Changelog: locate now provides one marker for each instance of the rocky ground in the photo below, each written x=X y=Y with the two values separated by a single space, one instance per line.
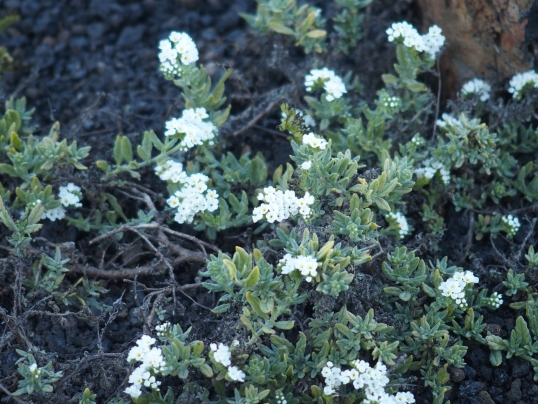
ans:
x=92 y=65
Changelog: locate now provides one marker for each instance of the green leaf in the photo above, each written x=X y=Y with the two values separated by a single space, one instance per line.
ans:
x=232 y=270
x=253 y=278
x=103 y=165
x=255 y=303
x=317 y=33
x=284 y=325
x=206 y=370
x=223 y=308
x=428 y=290
x=417 y=87
x=496 y=358
x=36 y=213
x=116 y=206
x=126 y=149
x=405 y=296
x=382 y=204
x=280 y=28
x=389 y=79
x=118 y=155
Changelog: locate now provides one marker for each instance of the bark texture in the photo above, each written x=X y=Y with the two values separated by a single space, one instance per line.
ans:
x=485 y=38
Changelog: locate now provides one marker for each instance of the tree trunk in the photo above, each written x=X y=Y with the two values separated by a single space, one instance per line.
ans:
x=484 y=39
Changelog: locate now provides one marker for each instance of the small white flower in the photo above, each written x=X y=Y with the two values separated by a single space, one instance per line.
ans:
x=133 y=390
x=236 y=374
x=401 y=222
x=476 y=87
x=306 y=165
x=520 y=82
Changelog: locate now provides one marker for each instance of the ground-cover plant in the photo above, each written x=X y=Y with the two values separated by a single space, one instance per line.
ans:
x=361 y=207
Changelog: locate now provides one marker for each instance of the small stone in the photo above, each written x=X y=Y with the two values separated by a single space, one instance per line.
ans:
x=95 y=30
x=30 y=8
x=485 y=397
x=44 y=56
x=470 y=389
x=469 y=372
x=494 y=329
x=456 y=375
x=119 y=80
x=500 y=377
x=79 y=42
x=130 y=36
x=521 y=369
x=514 y=395
x=478 y=357
x=134 y=316
x=486 y=372
x=228 y=21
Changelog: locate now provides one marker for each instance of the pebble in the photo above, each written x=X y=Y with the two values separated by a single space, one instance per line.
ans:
x=495 y=329
x=485 y=397
x=470 y=389
x=469 y=372
x=456 y=375
x=500 y=377
x=30 y=8
x=478 y=357
x=228 y=21
x=44 y=56
x=486 y=372
x=95 y=30
x=514 y=395
x=130 y=36
x=79 y=42
x=521 y=369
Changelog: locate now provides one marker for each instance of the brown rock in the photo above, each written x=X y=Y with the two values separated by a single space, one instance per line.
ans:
x=456 y=375
x=485 y=397
x=484 y=39
x=495 y=329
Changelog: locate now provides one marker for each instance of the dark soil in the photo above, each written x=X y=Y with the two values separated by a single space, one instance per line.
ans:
x=92 y=65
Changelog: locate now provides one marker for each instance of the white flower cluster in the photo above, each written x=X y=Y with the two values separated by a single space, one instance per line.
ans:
x=70 y=195
x=162 y=329
x=430 y=167
x=281 y=205
x=409 y=36
x=476 y=86
x=363 y=376
x=314 y=141
x=401 y=221
x=306 y=265
x=494 y=301
x=280 y=399
x=512 y=223
x=193 y=126
x=54 y=214
x=418 y=140
x=223 y=355
x=178 y=49
x=36 y=372
x=448 y=120
x=332 y=84
x=454 y=287
x=391 y=102
x=522 y=81
x=193 y=197
x=152 y=364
